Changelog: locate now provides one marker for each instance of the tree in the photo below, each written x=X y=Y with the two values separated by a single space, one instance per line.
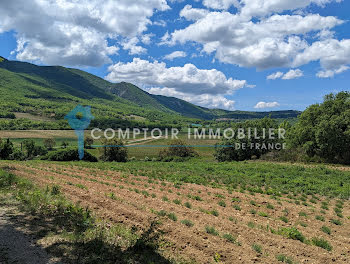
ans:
x=114 y=150
x=6 y=149
x=323 y=130
x=49 y=143
x=247 y=147
x=177 y=149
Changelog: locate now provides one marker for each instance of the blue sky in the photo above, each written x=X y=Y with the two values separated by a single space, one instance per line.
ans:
x=233 y=54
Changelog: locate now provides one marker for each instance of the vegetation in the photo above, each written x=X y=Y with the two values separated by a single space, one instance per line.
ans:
x=177 y=150
x=322 y=243
x=114 y=150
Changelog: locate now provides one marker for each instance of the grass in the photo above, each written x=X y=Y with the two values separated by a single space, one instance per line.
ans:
x=270 y=206
x=253 y=211
x=317 y=180
x=188 y=205
x=320 y=218
x=172 y=216
x=263 y=214
x=232 y=239
x=214 y=213
x=302 y=214
x=292 y=233
x=77 y=230
x=211 y=230
x=237 y=207
x=177 y=201
x=257 y=248
x=222 y=203
x=322 y=243
x=326 y=230
x=284 y=219
x=336 y=221
x=284 y=258
x=187 y=223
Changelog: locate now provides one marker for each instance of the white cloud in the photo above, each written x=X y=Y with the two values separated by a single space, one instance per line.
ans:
x=193 y=13
x=331 y=53
x=293 y=74
x=175 y=54
x=266 y=7
x=275 y=76
x=75 y=32
x=187 y=82
x=220 y=4
x=271 y=42
x=131 y=45
x=205 y=100
x=331 y=73
x=262 y=105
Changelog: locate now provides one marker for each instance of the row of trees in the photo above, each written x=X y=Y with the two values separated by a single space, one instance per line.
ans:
x=322 y=133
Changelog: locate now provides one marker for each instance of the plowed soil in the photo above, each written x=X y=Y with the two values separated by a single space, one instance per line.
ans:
x=135 y=201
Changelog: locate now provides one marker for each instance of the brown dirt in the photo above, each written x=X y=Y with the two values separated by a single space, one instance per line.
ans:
x=93 y=188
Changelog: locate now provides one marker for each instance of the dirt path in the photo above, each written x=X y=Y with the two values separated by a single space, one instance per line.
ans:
x=17 y=244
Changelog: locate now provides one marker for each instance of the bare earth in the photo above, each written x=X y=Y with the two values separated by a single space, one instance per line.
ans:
x=17 y=243
x=93 y=188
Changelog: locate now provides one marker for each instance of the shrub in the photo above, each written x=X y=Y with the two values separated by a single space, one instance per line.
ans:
x=177 y=149
x=162 y=213
x=326 y=230
x=270 y=206
x=292 y=233
x=322 y=243
x=257 y=248
x=237 y=207
x=6 y=149
x=114 y=150
x=188 y=205
x=319 y=217
x=222 y=203
x=253 y=211
x=187 y=223
x=302 y=214
x=172 y=216
x=49 y=143
x=284 y=219
x=177 y=201
x=69 y=155
x=231 y=239
x=263 y=214
x=336 y=222
x=284 y=258
x=214 y=213
x=211 y=230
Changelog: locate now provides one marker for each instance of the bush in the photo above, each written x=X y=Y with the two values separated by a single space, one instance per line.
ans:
x=114 y=150
x=6 y=149
x=227 y=150
x=211 y=230
x=322 y=243
x=326 y=230
x=177 y=151
x=69 y=155
x=49 y=143
x=323 y=130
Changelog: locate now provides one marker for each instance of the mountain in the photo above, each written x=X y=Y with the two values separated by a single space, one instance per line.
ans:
x=51 y=91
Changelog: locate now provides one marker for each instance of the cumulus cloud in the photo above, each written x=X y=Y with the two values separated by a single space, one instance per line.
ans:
x=74 y=32
x=175 y=54
x=274 y=41
x=220 y=4
x=131 y=45
x=331 y=73
x=275 y=76
x=193 y=13
x=262 y=105
x=291 y=74
x=187 y=82
x=205 y=100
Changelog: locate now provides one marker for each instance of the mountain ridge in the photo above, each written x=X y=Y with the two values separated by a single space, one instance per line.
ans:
x=58 y=83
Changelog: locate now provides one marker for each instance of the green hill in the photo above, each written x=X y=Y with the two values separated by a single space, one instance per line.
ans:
x=52 y=91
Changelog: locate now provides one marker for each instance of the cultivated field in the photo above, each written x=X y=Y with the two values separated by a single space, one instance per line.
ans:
x=229 y=213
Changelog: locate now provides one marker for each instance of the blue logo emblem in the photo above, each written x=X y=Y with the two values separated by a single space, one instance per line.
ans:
x=79 y=124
